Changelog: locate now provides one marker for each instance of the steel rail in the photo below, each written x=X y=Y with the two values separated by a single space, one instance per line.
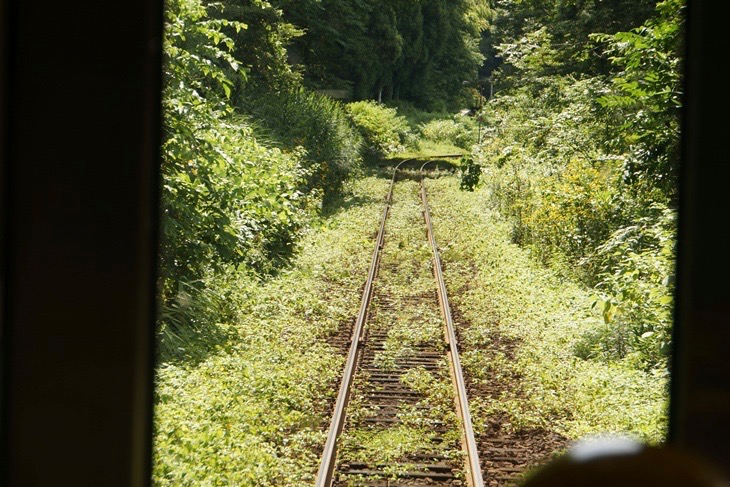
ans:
x=329 y=455
x=327 y=466
x=474 y=471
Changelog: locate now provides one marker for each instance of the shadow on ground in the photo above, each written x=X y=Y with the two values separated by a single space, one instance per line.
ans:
x=411 y=167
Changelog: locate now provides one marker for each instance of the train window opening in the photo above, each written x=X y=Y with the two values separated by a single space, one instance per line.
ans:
x=324 y=163
x=282 y=125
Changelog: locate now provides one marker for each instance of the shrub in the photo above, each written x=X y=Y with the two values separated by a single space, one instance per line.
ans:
x=384 y=132
x=636 y=286
x=470 y=173
x=554 y=168
x=521 y=324
x=550 y=170
x=415 y=116
x=572 y=212
x=459 y=131
x=315 y=122
x=227 y=200
x=443 y=130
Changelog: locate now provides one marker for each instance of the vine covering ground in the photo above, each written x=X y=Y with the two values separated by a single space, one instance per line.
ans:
x=504 y=294
x=253 y=408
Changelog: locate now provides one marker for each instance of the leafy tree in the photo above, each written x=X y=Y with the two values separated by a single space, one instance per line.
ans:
x=262 y=46
x=581 y=153
x=418 y=50
x=227 y=200
x=648 y=95
x=570 y=24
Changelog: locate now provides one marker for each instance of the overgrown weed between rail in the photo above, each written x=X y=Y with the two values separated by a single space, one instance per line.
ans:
x=405 y=307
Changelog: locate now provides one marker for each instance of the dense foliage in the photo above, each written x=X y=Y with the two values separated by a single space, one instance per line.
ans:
x=298 y=118
x=248 y=153
x=522 y=332
x=246 y=400
x=262 y=45
x=384 y=132
x=647 y=95
x=574 y=159
x=417 y=50
x=227 y=199
x=581 y=153
x=570 y=24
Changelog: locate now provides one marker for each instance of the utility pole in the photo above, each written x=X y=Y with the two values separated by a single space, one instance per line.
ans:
x=479 y=110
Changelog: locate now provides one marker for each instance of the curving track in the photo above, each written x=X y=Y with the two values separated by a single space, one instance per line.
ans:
x=401 y=417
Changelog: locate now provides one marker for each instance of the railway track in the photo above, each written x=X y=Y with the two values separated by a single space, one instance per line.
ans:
x=401 y=417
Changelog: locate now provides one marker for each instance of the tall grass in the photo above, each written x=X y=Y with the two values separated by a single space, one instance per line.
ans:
x=314 y=122
x=384 y=132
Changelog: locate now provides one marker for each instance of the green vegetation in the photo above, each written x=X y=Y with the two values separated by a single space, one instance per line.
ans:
x=436 y=133
x=400 y=310
x=459 y=131
x=523 y=325
x=250 y=153
x=559 y=247
x=252 y=407
x=297 y=119
x=385 y=132
x=470 y=173
x=416 y=50
x=253 y=277
x=228 y=200
x=580 y=153
x=241 y=179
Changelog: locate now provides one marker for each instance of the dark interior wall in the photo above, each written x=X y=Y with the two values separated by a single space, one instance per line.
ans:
x=700 y=409
x=3 y=150
x=78 y=208
x=78 y=262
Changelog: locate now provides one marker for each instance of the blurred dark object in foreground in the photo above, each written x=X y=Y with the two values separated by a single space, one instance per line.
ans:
x=625 y=463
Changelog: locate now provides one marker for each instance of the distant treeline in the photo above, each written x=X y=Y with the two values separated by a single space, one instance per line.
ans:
x=581 y=154
x=423 y=51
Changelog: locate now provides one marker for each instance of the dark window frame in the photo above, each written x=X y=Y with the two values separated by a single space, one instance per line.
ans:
x=79 y=148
